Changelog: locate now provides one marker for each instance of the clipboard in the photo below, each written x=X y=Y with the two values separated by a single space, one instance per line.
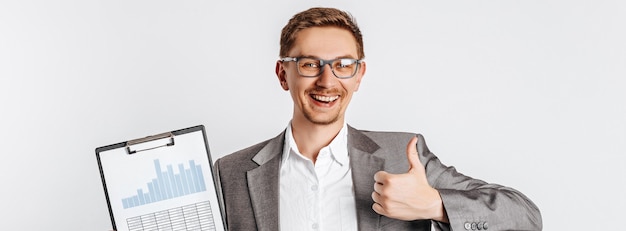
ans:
x=161 y=182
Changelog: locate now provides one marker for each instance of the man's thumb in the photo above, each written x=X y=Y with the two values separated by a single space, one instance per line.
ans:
x=413 y=156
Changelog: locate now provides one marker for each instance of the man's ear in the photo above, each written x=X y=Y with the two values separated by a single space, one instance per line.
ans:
x=280 y=73
x=359 y=75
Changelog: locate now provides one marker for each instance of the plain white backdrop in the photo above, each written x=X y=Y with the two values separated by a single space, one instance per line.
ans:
x=528 y=94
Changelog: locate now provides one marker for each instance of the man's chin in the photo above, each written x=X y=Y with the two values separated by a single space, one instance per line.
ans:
x=321 y=120
x=317 y=122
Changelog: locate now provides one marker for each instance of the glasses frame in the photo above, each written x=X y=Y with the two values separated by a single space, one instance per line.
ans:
x=323 y=62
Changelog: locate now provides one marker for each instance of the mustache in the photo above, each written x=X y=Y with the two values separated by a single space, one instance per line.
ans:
x=324 y=91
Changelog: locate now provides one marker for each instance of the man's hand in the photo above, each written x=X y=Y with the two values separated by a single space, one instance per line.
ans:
x=407 y=196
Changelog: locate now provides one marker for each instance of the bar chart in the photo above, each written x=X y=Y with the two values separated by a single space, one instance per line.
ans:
x=168 y=184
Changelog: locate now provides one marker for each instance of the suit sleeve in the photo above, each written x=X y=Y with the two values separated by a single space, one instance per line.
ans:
x=473 y=204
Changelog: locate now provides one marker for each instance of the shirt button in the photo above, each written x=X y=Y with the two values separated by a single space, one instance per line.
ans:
x=474 y=226
x=314 y=188
x=314 y=226
x=485 y=226
x=468 y=226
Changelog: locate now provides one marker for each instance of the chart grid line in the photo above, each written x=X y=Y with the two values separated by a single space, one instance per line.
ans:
x=189 y=217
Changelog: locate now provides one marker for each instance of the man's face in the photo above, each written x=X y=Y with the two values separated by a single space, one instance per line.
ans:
x=320 y=100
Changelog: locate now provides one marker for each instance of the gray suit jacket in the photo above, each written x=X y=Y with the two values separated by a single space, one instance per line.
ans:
x=248 y=181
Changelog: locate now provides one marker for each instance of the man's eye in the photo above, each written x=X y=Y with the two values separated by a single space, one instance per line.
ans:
x=344 y=64
x=310 y=65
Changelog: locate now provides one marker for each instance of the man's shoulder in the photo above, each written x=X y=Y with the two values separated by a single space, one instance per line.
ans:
x=385 y=133
x=382 y=136
x=393 y=141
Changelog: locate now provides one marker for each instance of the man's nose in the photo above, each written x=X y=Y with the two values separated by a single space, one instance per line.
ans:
x=327 y=78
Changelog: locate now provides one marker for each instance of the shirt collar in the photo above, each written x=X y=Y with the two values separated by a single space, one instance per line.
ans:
x=338 y=146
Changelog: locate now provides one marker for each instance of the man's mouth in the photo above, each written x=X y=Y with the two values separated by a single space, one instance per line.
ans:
x=325 y=99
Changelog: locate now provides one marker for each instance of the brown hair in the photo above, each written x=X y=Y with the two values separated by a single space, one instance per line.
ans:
x=319 y=17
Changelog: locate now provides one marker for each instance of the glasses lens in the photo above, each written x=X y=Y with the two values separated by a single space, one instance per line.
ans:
x=309 y=67
x=344 y=68
x=341 y=68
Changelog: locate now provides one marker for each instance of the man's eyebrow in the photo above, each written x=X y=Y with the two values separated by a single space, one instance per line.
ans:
x=346 y=57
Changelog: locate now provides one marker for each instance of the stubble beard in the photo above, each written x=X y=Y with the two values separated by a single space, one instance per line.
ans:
x=319 y=121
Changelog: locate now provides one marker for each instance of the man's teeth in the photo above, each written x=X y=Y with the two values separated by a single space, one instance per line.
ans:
x=326 y=99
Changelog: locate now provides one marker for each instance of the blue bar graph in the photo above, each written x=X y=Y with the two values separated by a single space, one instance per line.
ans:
x=168 y=185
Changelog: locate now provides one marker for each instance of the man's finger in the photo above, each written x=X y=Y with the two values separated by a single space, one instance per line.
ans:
x=376 y=197
x=378 y=188
x=413 y=156
x=381 y=177
x=378 y=209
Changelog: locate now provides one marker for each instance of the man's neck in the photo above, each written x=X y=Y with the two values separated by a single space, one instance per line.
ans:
x=311 y=138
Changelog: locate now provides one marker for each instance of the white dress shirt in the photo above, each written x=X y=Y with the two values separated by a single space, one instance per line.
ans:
x=317 y=196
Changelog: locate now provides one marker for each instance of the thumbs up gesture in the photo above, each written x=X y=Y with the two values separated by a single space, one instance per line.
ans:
x=407 y=196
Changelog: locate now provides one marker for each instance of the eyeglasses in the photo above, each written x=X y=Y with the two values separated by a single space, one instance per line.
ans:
x=343 y=68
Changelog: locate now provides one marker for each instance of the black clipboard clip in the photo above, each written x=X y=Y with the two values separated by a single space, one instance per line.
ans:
x=129 y=143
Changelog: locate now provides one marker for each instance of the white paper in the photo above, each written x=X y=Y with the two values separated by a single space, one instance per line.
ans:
x=166 y=188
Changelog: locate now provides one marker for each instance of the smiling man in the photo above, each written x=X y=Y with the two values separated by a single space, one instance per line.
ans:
x=322 y=174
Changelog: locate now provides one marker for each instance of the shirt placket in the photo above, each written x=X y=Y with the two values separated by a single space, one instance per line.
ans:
x=321 y=170
x=314 y=190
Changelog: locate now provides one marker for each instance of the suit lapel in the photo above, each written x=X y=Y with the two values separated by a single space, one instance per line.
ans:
x=263 y=184
x=364 y=165
x=263 y=181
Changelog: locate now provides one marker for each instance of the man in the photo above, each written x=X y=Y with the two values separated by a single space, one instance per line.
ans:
x=322 y=174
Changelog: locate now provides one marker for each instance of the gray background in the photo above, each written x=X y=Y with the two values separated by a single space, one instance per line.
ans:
x=529 y=94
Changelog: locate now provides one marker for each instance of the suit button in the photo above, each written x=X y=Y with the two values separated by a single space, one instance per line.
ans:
x=474 y=226
x=485 y=226
x=468 y=226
